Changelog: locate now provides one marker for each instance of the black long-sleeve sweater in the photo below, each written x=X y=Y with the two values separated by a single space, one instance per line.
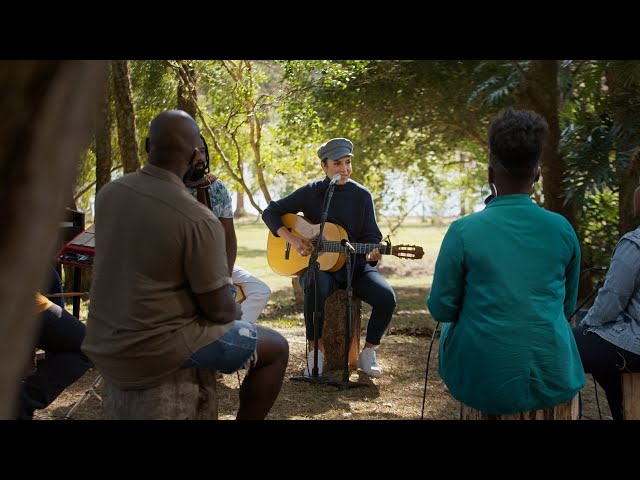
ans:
x=351 y=207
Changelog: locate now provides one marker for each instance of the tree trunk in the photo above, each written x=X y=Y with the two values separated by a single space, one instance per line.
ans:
x=189 y=394
x=104 y=121
x=631 y=396
x=45 y=123
x=539 y=91
x=565 y=411
x=187 y=91
x=240 y=211
x=333 y=331
x=624 y=95
x=127 y=135
x=298 y=293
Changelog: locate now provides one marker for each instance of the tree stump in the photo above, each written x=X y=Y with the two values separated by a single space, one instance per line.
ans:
x=565 y=411
x=631 y=396
x=333 y=331
x=189 y=394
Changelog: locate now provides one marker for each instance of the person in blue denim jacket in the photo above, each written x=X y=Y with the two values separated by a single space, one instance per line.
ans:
x=608 y=337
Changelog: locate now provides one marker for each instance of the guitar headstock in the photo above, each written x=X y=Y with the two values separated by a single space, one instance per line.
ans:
x=412 y=252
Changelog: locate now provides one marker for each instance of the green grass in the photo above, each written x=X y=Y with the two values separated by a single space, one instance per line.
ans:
x=411 y=279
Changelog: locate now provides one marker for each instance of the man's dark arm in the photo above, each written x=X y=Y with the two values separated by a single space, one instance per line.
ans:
x=293 y=203
x=231 y=241
x=219 y=306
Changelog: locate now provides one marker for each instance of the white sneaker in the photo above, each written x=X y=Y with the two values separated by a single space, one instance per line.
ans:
x=368 y=363
x=309 y=368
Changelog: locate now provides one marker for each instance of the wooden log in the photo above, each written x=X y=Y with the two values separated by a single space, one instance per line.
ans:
x=631 y=396
x=68 y=294
x=189 y=394
x=565 y=411
x=333 y=331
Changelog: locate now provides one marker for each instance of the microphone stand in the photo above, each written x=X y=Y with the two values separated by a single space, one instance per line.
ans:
x=348 y=327
x=314 y=266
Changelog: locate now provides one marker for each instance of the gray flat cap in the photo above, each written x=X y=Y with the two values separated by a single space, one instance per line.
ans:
x=335 y=149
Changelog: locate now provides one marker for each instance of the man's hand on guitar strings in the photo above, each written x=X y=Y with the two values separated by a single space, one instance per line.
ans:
x=303 y=246
x=373 y=256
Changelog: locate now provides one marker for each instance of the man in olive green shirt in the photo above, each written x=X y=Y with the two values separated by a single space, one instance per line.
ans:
x=160 y=300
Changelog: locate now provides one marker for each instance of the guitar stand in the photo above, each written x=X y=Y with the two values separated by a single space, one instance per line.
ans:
x=91 y=391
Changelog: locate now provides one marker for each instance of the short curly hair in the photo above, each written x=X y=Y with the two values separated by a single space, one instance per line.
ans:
x=516 y=138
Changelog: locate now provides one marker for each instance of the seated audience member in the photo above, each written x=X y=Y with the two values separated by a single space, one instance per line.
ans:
x=505 y=282
x=608 y=337
x=60 y=336
x=212 y=192
x=156 y=304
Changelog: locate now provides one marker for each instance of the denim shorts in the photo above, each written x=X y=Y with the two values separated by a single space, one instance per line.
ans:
x=235 y=350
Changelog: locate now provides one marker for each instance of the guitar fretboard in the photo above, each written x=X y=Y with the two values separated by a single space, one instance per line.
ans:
x=333 y=246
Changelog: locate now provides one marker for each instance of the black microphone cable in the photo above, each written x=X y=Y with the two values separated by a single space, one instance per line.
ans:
x=426 y=373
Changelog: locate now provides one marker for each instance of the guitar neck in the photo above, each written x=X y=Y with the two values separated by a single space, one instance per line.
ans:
x=333 y=246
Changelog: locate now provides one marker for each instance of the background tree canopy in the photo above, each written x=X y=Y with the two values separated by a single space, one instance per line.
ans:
x=419 y=129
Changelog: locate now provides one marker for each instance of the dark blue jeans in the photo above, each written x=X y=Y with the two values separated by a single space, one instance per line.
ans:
x=371 y=287
x=60 y=338
x=606 y=363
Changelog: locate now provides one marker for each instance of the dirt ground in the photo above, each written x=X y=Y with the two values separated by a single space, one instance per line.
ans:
x=397 y=395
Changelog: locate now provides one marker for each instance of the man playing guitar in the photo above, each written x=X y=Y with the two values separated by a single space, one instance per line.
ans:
x=352 y=208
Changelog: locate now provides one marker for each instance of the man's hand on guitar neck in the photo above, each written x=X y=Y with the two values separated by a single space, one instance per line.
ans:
x=300 y=244
x=373 y=256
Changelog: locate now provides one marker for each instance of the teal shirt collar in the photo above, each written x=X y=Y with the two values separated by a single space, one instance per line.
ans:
x=514 y=199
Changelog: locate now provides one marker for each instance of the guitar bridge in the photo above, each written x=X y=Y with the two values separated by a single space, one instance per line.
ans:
x=287 y=249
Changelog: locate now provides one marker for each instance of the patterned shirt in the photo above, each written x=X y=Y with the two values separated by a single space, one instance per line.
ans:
x=220 y=199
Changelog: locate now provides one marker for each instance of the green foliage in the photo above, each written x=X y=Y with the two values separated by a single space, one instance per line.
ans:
x=85 y=177
x=598 y=231
x=587 y=148
x=154 y=89
x=497 y=81
x=405 y=118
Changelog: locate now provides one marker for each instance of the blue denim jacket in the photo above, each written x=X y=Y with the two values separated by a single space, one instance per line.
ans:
x=615 y=314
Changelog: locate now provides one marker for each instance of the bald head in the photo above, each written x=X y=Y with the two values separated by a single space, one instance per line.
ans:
x=173 y=142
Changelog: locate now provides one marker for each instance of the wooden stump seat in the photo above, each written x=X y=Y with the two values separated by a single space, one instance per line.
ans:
x=333 y=332
x=189 y=394
x=631 y=396
x=565 y=411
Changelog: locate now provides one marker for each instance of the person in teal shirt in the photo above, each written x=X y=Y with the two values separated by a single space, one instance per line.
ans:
x=505 y=284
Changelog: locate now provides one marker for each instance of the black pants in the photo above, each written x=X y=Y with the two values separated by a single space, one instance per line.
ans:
x=64 y=362
x=55 y=286
x=606 y=363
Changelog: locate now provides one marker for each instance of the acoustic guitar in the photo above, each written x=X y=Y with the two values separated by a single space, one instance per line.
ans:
x=240 y=296
x=286 y=261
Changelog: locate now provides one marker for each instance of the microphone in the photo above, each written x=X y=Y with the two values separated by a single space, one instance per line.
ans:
x=336 y=178
x=345 y=243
